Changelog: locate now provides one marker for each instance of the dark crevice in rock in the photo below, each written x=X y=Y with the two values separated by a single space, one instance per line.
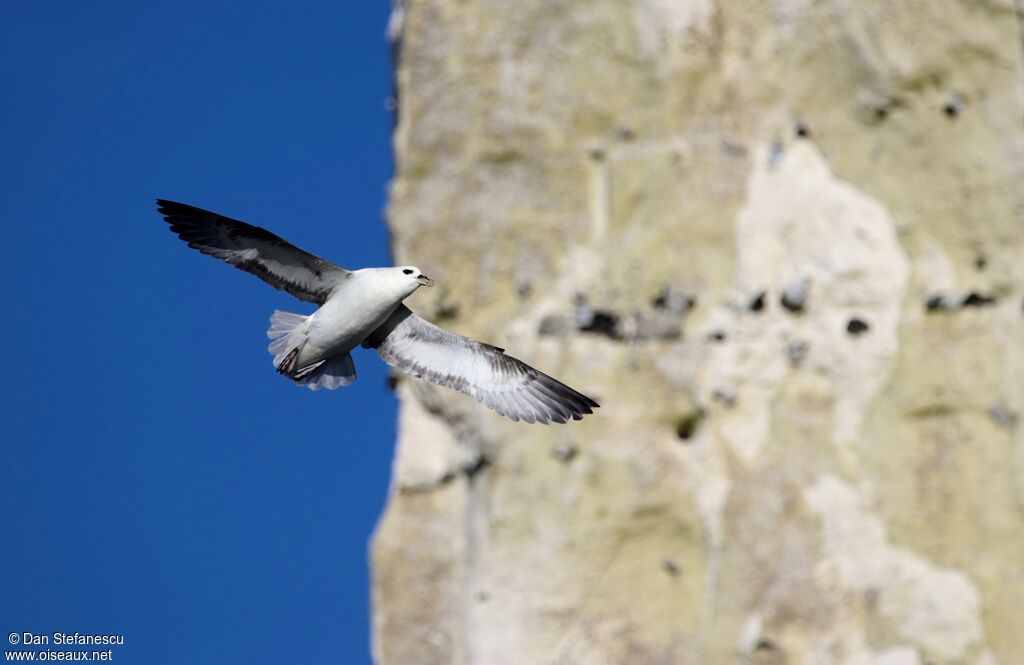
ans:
x=953 y=108
x=944 y=303
x=688 y=424
x=975 y=299
x=856 y=327
x=663 y=320
x=874 y=107
x=674 y=301
x=471 y=470
x=937 y=303
x=476 y=466
x=602 y=323
x=794 y=297
x=596 y=321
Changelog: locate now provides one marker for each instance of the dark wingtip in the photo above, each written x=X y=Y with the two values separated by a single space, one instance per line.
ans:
x=164 y=206
x=571 y=402
x=169 y=208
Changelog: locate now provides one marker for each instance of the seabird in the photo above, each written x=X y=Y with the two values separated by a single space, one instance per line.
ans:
x=364 y=307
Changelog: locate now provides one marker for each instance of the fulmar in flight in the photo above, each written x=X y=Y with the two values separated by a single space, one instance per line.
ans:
x=365 y=307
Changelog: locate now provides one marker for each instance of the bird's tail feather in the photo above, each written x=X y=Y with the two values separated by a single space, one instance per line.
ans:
x=282 y=324
x=331 y=373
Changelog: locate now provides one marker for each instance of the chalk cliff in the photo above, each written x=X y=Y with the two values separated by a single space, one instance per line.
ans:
x=782 y=243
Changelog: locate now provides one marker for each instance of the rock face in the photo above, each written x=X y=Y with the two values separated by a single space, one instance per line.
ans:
x=782 y=243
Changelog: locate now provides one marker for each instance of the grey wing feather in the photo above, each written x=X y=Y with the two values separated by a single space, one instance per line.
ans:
x=484 y=372
x=254 y=250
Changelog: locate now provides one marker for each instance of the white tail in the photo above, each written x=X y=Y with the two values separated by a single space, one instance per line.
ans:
x=282 y=324
x=337 y=372
x=332 y=373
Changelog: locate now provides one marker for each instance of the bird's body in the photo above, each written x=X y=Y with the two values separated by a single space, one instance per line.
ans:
x=364 y=307
x=353 y=310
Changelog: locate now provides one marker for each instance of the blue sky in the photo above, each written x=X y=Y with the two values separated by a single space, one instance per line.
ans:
x=158 y=479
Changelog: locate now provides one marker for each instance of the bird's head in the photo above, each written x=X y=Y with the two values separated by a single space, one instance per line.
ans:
x=416 y=275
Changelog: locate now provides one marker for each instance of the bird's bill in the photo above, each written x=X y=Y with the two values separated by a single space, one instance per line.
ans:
x=425 y=281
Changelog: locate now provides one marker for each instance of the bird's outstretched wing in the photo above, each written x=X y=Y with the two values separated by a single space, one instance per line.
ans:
x=252 y=249
x=484 y=372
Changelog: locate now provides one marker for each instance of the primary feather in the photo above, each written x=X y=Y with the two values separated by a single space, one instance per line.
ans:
x=254 y=250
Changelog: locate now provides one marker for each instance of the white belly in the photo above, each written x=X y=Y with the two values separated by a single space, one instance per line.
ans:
x=344 y=321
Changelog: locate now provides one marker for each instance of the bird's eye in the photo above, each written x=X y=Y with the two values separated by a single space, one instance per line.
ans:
x=407 y=271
